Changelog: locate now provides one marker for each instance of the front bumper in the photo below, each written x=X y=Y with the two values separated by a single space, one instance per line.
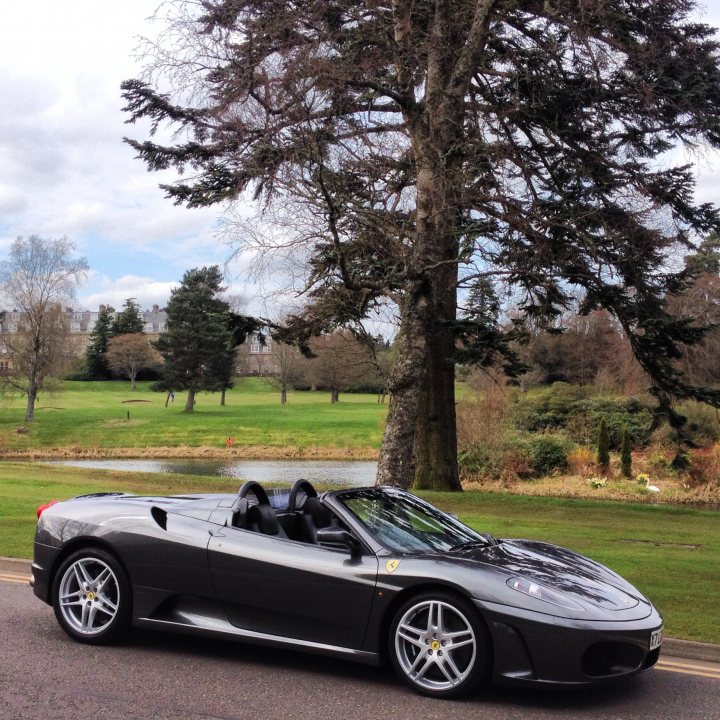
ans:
x=535 y=648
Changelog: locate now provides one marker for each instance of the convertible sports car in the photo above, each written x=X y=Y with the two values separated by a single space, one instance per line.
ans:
x=364 y=574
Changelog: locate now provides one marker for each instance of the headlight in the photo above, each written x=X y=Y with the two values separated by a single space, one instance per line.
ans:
x=540 y=592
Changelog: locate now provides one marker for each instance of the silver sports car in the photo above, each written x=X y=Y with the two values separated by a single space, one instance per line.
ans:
x=368 y=574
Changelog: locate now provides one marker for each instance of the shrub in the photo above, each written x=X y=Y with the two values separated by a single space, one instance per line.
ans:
x=578 y=413
x=547 y=453
x=581 y=461
x=512 y=456
x=702 y=426
x=603 y=447
x=704 y=469
x=625 y=455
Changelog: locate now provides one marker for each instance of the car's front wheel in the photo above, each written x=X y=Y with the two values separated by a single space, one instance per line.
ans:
x=439 y=645
x=91 y=597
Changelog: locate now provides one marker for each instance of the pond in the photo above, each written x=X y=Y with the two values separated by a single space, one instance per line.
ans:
x=281 y=472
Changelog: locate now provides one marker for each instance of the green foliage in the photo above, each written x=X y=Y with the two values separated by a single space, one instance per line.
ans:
x=574 y=410
x=525 y=456
x=129 y=320
x=547 y=453
x=625 y=455
x=603 y=447
x=96 y=367
x=197 y=340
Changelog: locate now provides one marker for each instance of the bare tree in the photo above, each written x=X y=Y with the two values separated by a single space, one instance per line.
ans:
x=290 y=364
x=129 y=353
x=39 y=279
x=340 y=360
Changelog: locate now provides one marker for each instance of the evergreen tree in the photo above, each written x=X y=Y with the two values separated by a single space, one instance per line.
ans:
x=128 y=320
x=625 y=455
x=603 y=447
x=95 y=360
x=196 y=333
x=220 y=373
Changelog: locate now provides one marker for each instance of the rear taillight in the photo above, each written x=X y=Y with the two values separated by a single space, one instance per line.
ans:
x=44 y=507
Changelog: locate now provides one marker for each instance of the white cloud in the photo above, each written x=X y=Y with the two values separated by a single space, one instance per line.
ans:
x=107 y=291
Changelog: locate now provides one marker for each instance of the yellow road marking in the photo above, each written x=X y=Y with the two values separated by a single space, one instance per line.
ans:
x=21 y=579
x=683 y=669
x=675 y=663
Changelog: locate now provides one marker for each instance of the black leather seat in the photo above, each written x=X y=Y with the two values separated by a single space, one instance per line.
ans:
x=315 y=516
x=262 y=519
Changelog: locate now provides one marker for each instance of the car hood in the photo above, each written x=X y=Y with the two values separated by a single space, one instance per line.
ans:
x=575 y=576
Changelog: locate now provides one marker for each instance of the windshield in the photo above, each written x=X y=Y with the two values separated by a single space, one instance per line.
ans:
x=405 y=524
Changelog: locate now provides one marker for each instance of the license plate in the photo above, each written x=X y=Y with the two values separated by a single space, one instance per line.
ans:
x=656 y=638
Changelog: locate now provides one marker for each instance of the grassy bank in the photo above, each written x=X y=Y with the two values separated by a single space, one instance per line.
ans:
x=86 y=416
x=671 y=554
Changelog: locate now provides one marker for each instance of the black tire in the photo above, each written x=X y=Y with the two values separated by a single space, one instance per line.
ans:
x=439 y=645
x=91 y=597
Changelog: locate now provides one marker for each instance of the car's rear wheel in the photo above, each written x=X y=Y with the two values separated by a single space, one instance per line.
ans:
x=439 y=645
x=91 y=597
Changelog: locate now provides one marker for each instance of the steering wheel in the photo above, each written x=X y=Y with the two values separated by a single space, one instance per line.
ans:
x=299 y=486
x=251 y=487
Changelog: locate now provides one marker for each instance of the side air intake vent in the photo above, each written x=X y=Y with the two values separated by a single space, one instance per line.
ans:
x=159 y=516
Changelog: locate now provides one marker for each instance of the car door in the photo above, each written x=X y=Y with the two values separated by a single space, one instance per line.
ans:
x=292 y=589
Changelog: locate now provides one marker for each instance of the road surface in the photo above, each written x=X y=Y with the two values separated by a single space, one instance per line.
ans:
x=154 y=676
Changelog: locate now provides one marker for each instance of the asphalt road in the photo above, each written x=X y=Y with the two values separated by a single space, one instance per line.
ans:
x=44 y=674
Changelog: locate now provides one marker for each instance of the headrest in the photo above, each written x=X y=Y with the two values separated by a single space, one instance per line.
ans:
x=264 y=517
x=319 y=513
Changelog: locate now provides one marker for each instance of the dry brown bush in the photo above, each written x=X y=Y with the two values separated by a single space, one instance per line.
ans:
x=704 y=470
x=581 y=461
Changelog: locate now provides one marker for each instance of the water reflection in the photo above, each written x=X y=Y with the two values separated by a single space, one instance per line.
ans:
x=282 y=472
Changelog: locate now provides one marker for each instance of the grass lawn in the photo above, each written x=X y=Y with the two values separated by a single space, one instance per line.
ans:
x=95 y=415
x=671 y=554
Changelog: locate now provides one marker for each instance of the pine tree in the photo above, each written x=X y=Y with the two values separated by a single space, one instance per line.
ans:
x=603 y=447
x=197 y=331
x=129 y=320
x=95 y=360
x=625 y=454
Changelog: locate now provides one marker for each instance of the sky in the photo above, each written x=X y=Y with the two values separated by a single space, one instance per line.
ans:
x=64 y=170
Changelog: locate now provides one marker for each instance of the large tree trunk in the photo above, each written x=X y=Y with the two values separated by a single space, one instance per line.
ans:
x=283 y=392
x=435 y=431
x=222 y=397
x=396 y=466
x=190 y=402
x=439 y=215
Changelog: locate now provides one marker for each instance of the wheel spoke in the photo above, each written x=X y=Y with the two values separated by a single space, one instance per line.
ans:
x=106 y=610
x=411 y=634
x=84 y=617
x=102 y=579
x=429 y=661
x=107 y=602
x=78 y=579
x=76 y=594
x=86 y=577
x=439 y=624
x=449 y=663
x=460 y=638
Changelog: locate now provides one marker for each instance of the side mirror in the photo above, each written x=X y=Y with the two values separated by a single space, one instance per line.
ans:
x=338 y=538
